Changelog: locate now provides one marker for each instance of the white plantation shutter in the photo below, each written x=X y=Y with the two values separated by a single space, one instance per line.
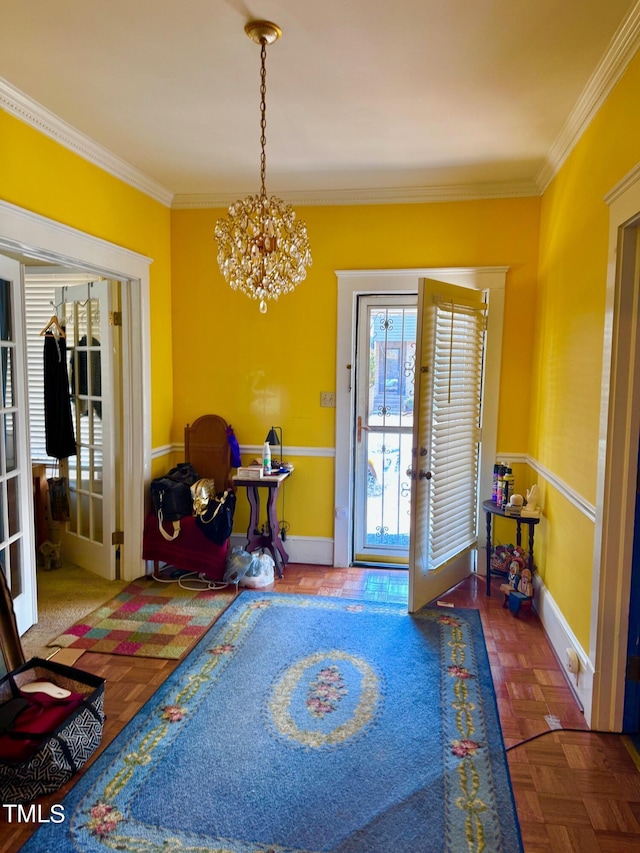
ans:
x=455 y=434
x=40 y=290
x=39 y=297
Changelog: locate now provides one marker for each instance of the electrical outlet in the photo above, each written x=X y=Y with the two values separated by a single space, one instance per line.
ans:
x=328 y=399
x=573 y=663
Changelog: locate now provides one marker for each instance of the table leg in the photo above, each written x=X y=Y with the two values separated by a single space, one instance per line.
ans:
x=488 y=553
x=270 y=540
x=254 y=534
x=531 y=530
x=276 y=547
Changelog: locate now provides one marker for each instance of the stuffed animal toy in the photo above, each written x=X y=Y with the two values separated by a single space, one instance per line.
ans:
x=50 y=555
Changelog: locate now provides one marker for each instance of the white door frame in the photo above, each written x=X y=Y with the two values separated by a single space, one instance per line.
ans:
x=28 y=235
x=617 y=456
x=351 y=284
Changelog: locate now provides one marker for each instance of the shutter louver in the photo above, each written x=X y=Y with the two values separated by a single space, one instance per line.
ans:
x=39 y=298
x=454 y=452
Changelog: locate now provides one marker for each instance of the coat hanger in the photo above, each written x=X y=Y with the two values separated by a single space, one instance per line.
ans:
x=54 y=326
x=54 y=323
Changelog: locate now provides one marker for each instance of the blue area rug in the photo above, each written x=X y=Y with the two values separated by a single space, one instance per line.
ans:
x=308 y=724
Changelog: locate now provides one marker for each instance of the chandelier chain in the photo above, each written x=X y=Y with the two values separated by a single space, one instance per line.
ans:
x=263 y=116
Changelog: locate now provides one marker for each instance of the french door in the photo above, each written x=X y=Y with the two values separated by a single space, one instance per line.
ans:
x=386 y=356
x=17 y=547
x=92 y=352
x=444 y=469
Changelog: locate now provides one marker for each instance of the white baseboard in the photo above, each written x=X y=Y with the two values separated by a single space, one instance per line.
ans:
x=562 y=638
x=315 y=550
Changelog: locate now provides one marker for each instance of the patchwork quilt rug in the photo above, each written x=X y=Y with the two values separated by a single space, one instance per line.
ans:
x=147 y=619
x=307 y=724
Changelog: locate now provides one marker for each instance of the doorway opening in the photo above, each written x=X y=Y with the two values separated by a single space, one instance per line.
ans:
x=397 y=284
x=26 y=238
x=81 y=304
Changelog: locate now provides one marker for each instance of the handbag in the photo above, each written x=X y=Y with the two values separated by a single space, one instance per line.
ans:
x=216 y=522
x=58 y=498
x=202 y=491
x=171 y=496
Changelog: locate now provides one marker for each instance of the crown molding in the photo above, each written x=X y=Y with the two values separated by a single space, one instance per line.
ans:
x=629 y=180
x=14 y=101
x=392 y=195
x=621 y=50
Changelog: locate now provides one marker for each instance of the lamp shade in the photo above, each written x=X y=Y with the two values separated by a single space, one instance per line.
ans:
x=273 y=439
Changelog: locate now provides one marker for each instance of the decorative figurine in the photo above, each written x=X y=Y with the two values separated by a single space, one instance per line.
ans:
x=525 y=586
x=533 y=497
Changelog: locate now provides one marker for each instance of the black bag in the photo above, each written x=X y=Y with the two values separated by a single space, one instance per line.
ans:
x=216 y=522
x=171 y=496
x=56 y=754
x=58 y=498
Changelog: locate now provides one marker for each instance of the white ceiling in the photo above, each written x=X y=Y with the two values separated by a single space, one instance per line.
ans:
x=361 y=94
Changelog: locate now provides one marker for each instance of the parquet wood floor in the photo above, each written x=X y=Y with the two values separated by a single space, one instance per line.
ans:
x=575 y=791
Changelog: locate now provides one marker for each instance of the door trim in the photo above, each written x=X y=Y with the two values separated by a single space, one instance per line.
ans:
x=353 y=283
x=618 y=448
x=30 y=235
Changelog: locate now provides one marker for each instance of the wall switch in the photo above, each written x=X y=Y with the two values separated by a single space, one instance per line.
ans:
x=328 y=399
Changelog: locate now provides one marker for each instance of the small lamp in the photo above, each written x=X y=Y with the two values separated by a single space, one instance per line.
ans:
x=275 y=441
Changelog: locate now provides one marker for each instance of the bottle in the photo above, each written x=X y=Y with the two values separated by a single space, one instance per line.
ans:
x=508 y=485
x=266 y=459
x=500 y=485
x=494 y=488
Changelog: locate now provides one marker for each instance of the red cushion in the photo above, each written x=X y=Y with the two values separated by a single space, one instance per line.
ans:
x=191 y=550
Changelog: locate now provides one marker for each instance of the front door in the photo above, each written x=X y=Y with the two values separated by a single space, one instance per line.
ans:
x=92 y=473
x=385 y=358
x=17 y=547
x=444 y=469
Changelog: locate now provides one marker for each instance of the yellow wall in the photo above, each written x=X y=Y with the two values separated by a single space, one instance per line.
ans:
x=213 y=351
x=41 y=176
x=568 y=347
x=257 y=370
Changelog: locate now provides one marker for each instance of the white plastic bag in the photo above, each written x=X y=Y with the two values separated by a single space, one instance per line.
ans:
x=261 y=571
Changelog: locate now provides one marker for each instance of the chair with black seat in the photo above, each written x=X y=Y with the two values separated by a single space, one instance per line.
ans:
x=206 y=446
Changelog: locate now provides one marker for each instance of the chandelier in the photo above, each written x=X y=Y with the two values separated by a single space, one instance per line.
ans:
x=263 y=251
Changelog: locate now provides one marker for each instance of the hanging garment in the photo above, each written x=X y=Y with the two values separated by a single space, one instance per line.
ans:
x=58 y=425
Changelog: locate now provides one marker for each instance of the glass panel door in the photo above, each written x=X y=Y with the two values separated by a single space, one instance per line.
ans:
x=91 y=472
x=17 y=549
x=386 y=352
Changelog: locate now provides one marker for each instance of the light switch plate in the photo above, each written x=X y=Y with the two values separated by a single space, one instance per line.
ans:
x=327 y=399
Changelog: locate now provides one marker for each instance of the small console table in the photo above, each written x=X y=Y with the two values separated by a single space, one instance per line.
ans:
x=268 y=538
x=491 y=508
